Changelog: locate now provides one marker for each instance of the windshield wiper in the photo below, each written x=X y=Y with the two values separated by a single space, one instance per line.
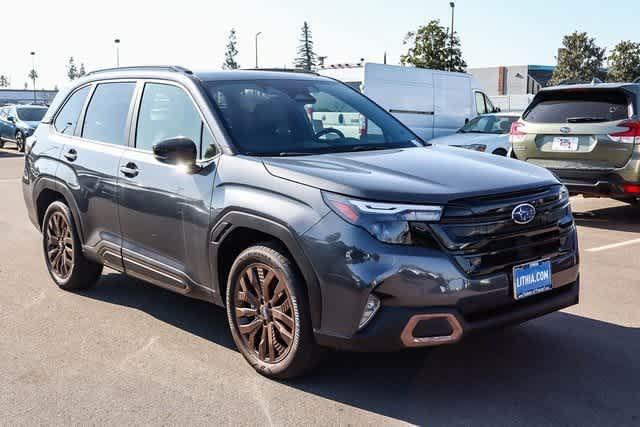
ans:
x=293 y=153
x=586 y=119
x=370 y=147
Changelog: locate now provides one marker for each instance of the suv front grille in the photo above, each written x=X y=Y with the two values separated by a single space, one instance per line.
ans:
x=483 y=238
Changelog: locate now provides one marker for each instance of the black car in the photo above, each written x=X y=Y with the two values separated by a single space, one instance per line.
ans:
x=17 y=122
x=227 y=187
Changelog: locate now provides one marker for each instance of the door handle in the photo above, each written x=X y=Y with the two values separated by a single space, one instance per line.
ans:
x=130 y=170
x=71 y=155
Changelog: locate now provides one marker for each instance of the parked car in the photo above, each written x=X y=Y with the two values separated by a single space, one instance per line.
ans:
x=431 y=103
x=17 y=122
x=488 y=133
x=217 y=186
x=588 y=135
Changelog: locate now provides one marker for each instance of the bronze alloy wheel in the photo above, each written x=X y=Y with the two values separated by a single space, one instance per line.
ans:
x=59 y=246
x=264 y=313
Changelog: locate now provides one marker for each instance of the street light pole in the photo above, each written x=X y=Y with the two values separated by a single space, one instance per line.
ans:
x=33 y=74
x=453 y=7
x=257 y=34
x=117 y=43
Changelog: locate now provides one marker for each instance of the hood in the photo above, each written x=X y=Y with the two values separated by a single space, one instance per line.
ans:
x=435 y=174
x=468 y=138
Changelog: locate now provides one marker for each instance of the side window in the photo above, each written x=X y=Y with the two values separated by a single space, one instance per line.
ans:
x=68 y=116
x=480 y=107
x=489 y=104
x=166 y=111
x=3 y=113
x=107 y=112
x=209 y=147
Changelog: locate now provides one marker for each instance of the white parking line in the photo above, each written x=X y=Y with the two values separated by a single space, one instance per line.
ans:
x=614 y=245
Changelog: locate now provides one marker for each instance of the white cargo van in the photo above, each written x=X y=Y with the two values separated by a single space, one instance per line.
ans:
x=432 y=103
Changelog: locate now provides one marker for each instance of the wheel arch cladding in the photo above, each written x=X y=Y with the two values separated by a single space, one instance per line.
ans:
x=238 y=230
x=48 y=191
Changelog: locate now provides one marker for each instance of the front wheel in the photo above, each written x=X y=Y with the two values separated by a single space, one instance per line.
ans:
x=269 y=314
x=20 y=141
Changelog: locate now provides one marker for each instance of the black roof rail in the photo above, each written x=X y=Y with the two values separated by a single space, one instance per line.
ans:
x=636 y=80
x=174 y=68
x=282 y=70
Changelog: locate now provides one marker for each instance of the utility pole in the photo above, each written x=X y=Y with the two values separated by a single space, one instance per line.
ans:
x=257 y=34
x=453 y=8
x=117 y=43
x=33 y=74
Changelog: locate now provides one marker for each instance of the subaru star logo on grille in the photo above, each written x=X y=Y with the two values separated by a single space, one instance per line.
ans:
x=565 y=129
x=523 y=214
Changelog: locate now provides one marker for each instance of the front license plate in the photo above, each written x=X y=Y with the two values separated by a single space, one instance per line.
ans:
x=531 y=279
x=565 y=143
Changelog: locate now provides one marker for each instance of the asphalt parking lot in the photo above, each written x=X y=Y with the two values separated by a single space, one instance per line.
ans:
x=130 y=353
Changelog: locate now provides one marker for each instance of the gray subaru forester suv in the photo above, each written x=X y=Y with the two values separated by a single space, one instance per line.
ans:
x=228 y=187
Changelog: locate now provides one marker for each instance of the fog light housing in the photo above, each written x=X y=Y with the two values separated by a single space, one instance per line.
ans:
x=370 y=309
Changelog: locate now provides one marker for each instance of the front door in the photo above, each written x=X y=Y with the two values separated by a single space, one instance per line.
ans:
x=164 y=209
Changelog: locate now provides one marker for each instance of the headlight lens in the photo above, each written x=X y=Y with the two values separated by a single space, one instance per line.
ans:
x=475 y=147
x=564 y=194
x=387 y=222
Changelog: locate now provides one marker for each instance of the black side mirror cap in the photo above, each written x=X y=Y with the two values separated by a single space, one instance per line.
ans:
x=11 y=119
x=177 y=151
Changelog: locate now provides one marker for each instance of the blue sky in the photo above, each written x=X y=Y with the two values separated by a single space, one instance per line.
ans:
x=193 y=33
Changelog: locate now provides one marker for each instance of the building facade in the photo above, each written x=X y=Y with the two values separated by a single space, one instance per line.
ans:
x=26 y=96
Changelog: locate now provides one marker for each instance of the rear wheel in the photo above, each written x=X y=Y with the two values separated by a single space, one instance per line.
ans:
x=20 y=141
x=63 y=253
x=268 y=313
x=500 y=152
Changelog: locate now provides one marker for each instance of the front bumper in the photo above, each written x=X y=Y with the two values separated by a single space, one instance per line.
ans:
x=350 y=264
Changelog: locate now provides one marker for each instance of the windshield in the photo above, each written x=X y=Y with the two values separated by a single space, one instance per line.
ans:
x=31 y=114
x=489 y=124
x=280 y=117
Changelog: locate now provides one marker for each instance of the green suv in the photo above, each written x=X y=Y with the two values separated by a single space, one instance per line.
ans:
x=588 y=135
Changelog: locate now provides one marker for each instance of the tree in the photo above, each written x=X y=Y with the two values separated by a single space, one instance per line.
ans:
x=4 y=81
x=578 y=59
x=33 y=74
x=72 y=70
x=231 y=52
x=307 y=58
x=624 y=62
x=431 y=47
x=81 y=71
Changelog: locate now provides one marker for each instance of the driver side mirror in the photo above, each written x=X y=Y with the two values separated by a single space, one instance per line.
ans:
x=11 y=119
x=177 y=151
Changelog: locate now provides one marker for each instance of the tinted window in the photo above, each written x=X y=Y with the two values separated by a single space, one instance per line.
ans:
x=31 y=114
x=106 y=116
x=293 y=117
x=68 y=117
x=480 y=107
x=578 y=107
x=489 y=124
x=166 y=112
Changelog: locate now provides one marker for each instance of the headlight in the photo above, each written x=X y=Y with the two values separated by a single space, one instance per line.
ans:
x=564 y=194
x=387 y=222
x=475 y=147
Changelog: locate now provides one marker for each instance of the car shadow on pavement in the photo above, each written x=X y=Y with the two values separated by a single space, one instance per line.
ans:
x=561 y=369
x=618 y=218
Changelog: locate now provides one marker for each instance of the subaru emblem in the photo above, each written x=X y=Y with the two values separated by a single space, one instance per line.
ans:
x=523 y=214
x=565 y=129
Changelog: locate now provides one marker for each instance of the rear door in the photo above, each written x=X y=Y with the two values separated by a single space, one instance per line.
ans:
x=579 y=129
x=90 y=159
x=452 y=102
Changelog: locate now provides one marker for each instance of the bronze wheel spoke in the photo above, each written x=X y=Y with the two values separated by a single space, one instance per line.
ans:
x=253 y=281
x=246 y=312
x=286 y=336
x=277 y=292
x=265 y=284
x=282 y=318
x=249 y=327
x=262 y=346
x=246 y=295
x=271 y=340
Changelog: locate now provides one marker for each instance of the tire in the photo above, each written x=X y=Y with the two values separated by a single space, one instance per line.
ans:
x=70 y=270
x=277 y=347
x=500 y=152
x=20 y=141
x=1 y=143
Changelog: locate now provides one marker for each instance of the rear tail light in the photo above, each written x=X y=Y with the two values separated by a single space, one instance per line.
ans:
x=516 y=134
x=629 y=136
x=363 y=125
x=631 y=188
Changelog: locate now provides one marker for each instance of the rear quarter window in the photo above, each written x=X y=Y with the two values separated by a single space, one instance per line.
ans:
x=579 y=107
